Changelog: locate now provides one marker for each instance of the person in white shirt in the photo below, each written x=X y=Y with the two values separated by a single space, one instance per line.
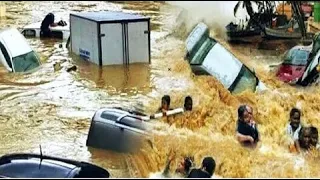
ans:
x=294 y=126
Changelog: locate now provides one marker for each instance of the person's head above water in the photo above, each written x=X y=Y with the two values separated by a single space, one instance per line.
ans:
x=295 y=115
x=208 y=165
x=244 y=113
x=314 y=136
x=165 y=102
x=185 y=165
x=188 y=103
x=305 y=138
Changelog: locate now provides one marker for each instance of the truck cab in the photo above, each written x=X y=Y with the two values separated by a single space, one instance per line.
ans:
x=16 y=55
x=206 y=56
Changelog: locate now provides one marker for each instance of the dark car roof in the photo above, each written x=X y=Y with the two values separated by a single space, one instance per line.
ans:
x=123 y=119
x=28 y=166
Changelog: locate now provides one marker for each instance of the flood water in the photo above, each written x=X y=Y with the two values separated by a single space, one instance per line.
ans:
x=53 y=108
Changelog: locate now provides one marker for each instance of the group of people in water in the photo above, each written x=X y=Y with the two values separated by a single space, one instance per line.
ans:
x=186 y=168
x=300 y=138
x=165 y=104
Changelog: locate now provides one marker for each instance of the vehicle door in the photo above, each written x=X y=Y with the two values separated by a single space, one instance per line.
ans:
x=131 y=133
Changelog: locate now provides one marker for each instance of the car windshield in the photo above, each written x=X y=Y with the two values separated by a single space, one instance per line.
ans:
x=296 y=57
x=199 y=53
x=245 y=80
x=26 y=62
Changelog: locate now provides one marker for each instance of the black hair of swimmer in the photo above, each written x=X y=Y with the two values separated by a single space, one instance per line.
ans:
x=188 y=103
x=313 y=130
x=295 y=110
x=167 y=99
x=241 y=110
x=187 y=164
x=209 y=164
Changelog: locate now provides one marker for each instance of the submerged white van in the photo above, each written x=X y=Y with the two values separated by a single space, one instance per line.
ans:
x=16 y=55
x=207 y=57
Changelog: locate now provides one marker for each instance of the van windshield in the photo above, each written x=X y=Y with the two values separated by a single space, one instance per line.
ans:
x=245 y=80
x=26 y=62
x=296 y=57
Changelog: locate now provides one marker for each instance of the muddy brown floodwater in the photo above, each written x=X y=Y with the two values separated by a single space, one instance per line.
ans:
x=54 y=107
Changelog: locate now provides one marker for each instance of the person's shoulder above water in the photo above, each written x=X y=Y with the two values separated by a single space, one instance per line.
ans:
x=198 y=173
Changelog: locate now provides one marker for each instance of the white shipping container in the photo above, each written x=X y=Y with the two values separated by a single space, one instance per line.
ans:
x=108 y=38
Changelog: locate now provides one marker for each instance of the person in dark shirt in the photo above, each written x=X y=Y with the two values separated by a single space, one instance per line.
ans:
x=206 y=171
x=188 y=103
x=48 y=22
x=247 y=132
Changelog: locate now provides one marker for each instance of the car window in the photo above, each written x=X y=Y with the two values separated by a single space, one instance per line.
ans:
x=26 y=62
x=296 y=57
x=29 y=33
x=132 y=122
x=5 y=54
x=245 y=80
x=113 y=116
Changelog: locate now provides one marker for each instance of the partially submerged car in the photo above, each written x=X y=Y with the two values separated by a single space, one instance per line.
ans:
x=59 y=32
x=207 y=57
x=16 y=55
x=39 y=166
x=116 y=129
x=294 y=64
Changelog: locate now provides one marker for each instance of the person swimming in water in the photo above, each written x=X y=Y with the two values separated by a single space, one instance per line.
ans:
x=188 y=103
x=48 y=22
x=205 y=171
x=183 y=169
x=294 y=126
x=247 y=132
x=165 y=104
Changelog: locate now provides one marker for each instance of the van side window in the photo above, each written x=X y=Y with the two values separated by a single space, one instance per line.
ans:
x=5 y=54
x=29 y=33
x=132 y=122
x=110 y=115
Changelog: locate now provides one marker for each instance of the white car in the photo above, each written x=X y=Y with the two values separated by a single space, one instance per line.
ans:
x=16 y=55
x=207 y=57
x=59 y=32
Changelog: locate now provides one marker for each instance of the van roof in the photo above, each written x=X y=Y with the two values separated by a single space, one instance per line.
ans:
x=109 y=16
x=15 y=42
